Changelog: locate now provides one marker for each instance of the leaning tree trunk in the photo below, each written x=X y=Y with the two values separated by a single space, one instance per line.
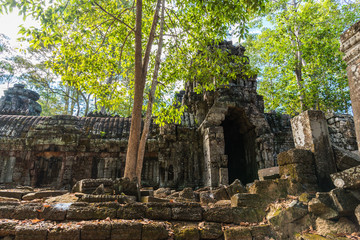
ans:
x=140 y=77
x=145 y=133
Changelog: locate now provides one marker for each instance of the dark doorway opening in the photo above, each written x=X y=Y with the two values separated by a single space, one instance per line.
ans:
x=239 y=136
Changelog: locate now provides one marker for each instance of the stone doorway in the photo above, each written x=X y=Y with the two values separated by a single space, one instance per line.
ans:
x=239 y=137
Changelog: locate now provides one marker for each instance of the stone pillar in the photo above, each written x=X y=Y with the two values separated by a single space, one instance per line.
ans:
x=350 y=45
x=310 y=132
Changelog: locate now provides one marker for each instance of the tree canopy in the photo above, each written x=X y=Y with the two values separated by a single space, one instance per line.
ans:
x=298 y=55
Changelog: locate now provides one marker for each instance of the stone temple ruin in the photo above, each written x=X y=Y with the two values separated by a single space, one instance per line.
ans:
x=225 y=135
x=300 y=174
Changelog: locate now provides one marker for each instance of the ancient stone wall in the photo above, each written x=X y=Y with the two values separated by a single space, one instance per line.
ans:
x=58 y=151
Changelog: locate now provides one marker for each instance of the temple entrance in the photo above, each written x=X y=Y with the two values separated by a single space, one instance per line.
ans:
x=239 y=136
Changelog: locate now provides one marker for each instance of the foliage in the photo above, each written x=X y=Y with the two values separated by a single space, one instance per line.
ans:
x=304 y=39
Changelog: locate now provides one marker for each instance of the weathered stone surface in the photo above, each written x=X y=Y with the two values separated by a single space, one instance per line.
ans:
x=162 y=192
x=288 y=215
x=96 y=231
x=345 y=159
x=7 y=227
x=345 y=202
x=43 y=194
x=269 y=173
x=53 y=213
x=186 y=212
x=132 y=211
x=60 y=233
x=219 y=215
x=322 y=210
x=28 y=232
x=210 y=230
x=154 y=231
x=126 y=230
x=158 y=211
x=27 y=211
x=148 y=199
x=187 y=193
x=20 y=101
x=349 y=178
x=237 y=233
x=350 y=46
x=310 y=132
x=207 y=197
x=357 y=213
x=270 y=189
x=186 y=233
x=234 y=188
x=89 y=212
x=221 y=194
x=90 y=198
x=13 y=193
x=343 y=225
x=247 y=200
x=261 y=232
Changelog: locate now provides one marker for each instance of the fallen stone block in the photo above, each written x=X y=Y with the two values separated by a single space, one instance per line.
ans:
x=210 y=230
x=221 y=194
x=247 y=200
x=13 y=193
x=154 y=231
x=88 y=186
x=207 y=197
x=126 y=230
x=270 y=189
x=43 y=194
x=188 y=193
x=349 y=178
x=320 y=209
x=287 y=215
x=162 y=192
x=261 y=232
x=269 y=173
x=234 y=188
x=344 y=201
x=345 y=159
x=247 y=214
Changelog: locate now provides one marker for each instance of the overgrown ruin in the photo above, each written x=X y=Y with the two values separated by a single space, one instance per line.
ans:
x=308 y=171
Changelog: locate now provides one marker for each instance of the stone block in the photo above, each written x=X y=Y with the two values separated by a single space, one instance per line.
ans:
x=43 y=194
x=90 y=212
x=30 y=232
x=60 y=233
x=247 y=214
x=52 y=213
x=299 y=172
x=345 y=202
x=186 y=233
x=247 y=200
x=235 y=187
x=320 y=209
x=210 y=230
x=158 y=211
x=132 y=211
x=221 y=194
x=218 y=214
x=287 y=215
x=261 y=232
x=295 y=155
x=343 y=225
x=27 y=211
x=345 y=159
x=96 y=231
x=269 y=173
x=349 y=178
x=270 y=189
x=7 y=228
x=7 y=211
x=154 y=231
x=148 y=199
x=310 y=132
x=13 y=193
x=125 y=230
x=237 y=233
x=186 y=212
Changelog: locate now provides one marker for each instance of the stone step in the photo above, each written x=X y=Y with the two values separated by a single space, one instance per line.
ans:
x=168 y=211
x=109 y=229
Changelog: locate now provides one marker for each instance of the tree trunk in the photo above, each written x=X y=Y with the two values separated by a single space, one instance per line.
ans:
x=140 y=77
x=145 y=133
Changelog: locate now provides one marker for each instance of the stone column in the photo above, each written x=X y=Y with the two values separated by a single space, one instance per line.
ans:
x=310 y=132
x=350 y=45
